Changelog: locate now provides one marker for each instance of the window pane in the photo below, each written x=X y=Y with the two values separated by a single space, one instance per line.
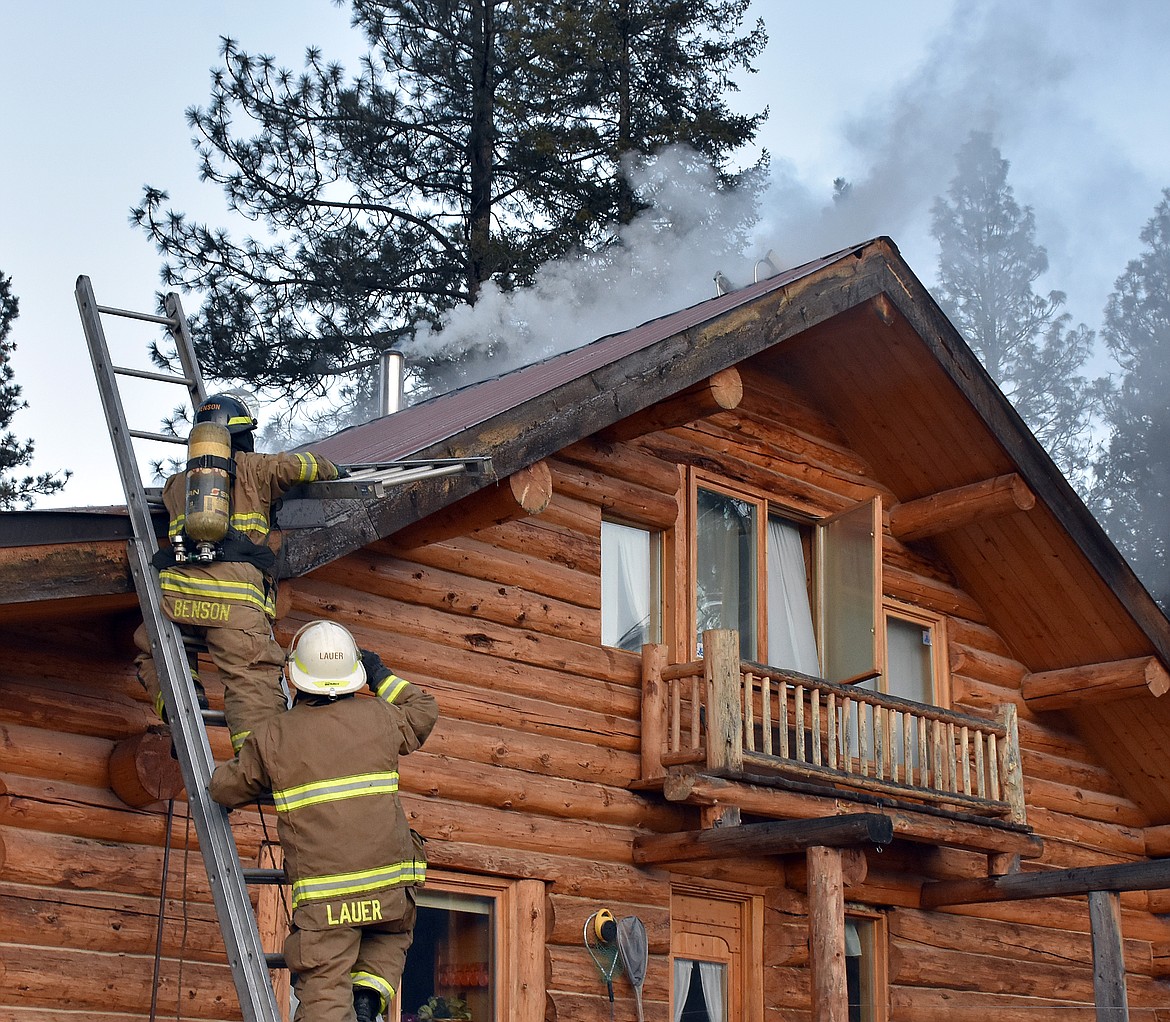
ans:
x=860 y=972
x=909 y=660
x=725 y=582
x=849 y=595
x=452 y=955
x=630 y=573
x=792 y=642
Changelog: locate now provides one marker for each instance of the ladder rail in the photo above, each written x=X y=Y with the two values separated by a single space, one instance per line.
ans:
x=246 y=955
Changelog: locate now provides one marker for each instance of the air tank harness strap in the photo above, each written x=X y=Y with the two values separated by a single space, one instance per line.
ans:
x=227 y=465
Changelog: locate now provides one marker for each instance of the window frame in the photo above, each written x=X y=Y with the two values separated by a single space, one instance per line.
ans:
x=939 y=656
x=877 y=924
x=513 y=905
x=765 y=506
x=658 y=585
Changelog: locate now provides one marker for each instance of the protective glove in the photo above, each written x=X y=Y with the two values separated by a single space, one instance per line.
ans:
x=376 y=671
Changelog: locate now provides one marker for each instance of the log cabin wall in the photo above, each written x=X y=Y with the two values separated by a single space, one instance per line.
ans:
x=80 y=871
x=527 y=776
x=528 y=769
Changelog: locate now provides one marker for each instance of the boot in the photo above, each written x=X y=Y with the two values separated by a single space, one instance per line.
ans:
x=367 y=1004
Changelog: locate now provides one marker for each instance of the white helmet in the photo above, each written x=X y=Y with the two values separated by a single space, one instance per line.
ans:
x=324 y=660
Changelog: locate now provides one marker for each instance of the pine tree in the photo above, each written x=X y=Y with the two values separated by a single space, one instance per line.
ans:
x=1134 y=487
x=14 y=453
x=479 y=139
x=988 y=265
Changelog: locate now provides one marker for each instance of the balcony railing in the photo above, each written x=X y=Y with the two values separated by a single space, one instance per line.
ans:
x=739 y=718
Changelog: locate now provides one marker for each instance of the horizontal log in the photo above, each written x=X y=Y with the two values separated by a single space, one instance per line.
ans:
x=685 y=785
x=523 y=493
x=959 y=507
x=1090 y=684
x=580 y=876
x=31 y=574
x=473 y=558
x=719 y=393
x=108 y=922
x=565 y=1006
x=517 y=790
x=1157 y=840
x=37 y=752
x=34 y=977
x=571 y=969
x=552 y=543
x=544 y=612
x=1130 y=876
x=504 y=744
x=616 y=496
x=985 y=666
x=625 y=461
x=750 y=839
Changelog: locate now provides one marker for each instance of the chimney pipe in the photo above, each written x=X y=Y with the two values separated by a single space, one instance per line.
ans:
x=390 y=381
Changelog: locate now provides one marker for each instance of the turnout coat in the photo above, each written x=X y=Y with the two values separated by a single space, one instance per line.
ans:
x=332 y=768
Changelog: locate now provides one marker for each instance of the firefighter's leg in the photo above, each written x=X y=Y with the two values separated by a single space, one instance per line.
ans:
x=321 y=961
x=250 y=662
x=382 y=954
x=148 y=674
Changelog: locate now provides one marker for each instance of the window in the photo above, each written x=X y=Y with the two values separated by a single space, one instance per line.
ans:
x=475 y=939
x=452 y=956
x=803 y=595
x=865 y=970
x=631 y=586
x=716 y=940
x=916 y=667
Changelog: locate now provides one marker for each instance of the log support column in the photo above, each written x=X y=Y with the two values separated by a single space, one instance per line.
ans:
x=1109 y=990
x=826 y=933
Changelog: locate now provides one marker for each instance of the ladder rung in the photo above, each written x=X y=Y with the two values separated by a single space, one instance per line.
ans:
x=213 y=717
x=146 y=374
x=275 y=960
x=143 y=435
x=146 y=317
x=264 y=875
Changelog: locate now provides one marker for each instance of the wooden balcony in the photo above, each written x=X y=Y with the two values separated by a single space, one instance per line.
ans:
x=727 y=720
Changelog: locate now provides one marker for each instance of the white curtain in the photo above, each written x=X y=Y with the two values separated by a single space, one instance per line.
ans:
x=682 y=984
x=791 y=640
x=713 y=979
x=625 y=575
x=713 y=976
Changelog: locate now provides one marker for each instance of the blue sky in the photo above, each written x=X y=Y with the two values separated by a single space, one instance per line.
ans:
x=1076 y=92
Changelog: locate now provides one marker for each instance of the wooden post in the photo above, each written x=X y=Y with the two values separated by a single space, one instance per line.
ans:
x=724 y=706
x=1011 y=771
x=1109 y=991
x=826 y=935
x=653 y=710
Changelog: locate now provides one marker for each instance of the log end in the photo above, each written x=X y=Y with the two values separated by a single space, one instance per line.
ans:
x=142 y=770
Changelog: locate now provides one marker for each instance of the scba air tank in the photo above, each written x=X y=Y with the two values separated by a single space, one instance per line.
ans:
x=209 y=487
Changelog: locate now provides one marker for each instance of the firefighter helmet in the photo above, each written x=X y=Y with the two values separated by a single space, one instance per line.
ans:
x=228 y=410
x=324 y=660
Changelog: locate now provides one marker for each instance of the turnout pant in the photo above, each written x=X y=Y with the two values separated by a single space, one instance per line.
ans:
x=327 y=965
x=249 y=660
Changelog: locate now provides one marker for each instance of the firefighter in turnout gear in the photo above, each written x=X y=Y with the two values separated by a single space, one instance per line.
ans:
x=223 y=592
x=331 y=763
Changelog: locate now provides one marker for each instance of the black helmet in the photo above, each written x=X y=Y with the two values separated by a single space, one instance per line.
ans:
x=228 y=410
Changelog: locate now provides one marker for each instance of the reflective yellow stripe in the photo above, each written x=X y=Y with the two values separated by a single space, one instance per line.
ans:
x=375 y=983
x=391 y=688
x=178 y=584
x=159 y=705
x=344 y=885
x=176 y=526
x=308 y=470
x=334 y=789
x=238 y=740
x=250 y=521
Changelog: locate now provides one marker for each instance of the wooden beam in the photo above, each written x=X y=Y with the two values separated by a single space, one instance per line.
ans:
x=719 y=393
x=1151 y=875
x=826 y=935
x=685 y=784
x=1088 y=684
x=964 y=505
x=143 y=771
x=523 y=493
x=778 y=838
x=1109 y=991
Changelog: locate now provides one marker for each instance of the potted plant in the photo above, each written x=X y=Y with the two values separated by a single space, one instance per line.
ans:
x=444 y=1008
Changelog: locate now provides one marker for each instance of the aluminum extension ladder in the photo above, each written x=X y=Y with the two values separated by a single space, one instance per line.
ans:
x=227 y=877
x=221 y=859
